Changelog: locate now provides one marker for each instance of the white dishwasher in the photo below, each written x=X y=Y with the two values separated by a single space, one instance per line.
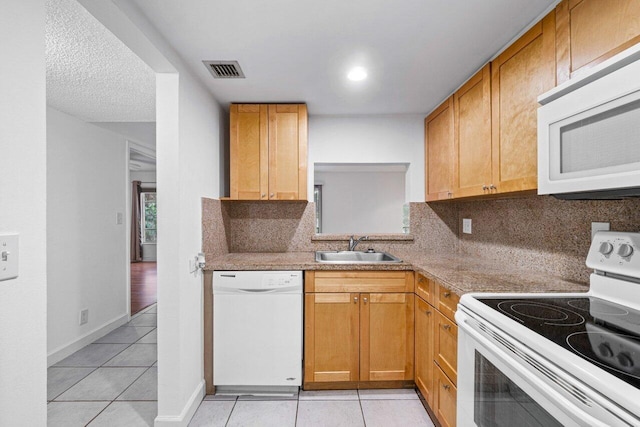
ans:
x=257 y=331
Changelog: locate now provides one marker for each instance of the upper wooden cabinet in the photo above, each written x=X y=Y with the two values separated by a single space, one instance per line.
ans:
x=590 y=31
x=438 y=143
x=523 y=71
x=268 y=151
x=472 y=147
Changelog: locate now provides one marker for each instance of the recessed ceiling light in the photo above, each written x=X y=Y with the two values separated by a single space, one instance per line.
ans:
x=357 y=73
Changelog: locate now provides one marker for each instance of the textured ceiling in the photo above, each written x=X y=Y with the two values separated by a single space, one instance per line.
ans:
x=417 y=51
x=91 y=74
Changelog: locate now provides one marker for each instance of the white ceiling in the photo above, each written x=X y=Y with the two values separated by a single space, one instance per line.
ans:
x=91 y=74
x=416 y=51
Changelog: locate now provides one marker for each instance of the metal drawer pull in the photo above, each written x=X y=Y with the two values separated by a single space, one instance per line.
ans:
x=428 y=312
x=420 y=280
x=355 y=299
x=365 y=300
x=447 y=294
x=446 y=327
x=446 y=386
x=485 y=188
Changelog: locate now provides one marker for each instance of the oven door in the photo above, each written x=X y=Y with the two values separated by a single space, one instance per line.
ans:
x=497 y=389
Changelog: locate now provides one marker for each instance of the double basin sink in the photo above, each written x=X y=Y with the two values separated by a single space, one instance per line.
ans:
x=355 y=257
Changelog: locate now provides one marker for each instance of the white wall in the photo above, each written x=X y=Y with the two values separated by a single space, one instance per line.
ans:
x=23 y=305
x=370 y=139
x=188 y=148
x=87 y=269
x=362 y=202
x=144 y=176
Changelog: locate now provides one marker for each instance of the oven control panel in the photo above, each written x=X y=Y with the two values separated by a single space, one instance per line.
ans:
x=615 y=252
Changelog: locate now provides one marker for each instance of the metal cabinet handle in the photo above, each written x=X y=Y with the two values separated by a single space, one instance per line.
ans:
x=493 y=187
x=355 y=299
x=428 y=312
x=365 y=300
x=420 y=280
x=446 y=327
x=446 y=386
x=447 y=294
x=271 y=195
x=263 y=196
x=485 y=188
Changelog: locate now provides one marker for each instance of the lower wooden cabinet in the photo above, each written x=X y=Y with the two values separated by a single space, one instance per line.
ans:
x=355 y=337
x=437 y=351
x=424 y=349
x=444 y=399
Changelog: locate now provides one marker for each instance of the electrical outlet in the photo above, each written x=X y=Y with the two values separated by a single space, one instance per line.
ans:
x=84 y=316
x=466 y=226
x=599 y=226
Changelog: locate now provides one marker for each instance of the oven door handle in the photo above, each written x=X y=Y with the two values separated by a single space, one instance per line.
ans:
x=577 y=404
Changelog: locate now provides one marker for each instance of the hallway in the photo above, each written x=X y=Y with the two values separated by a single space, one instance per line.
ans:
x=112 y=382
x=144 y=285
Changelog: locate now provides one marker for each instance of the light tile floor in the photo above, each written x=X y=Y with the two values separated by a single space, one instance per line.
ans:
x=111 y=382
x=348 y=408
x=114 y=382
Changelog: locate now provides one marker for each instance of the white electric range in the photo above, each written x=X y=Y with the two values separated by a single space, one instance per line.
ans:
x=556 y=359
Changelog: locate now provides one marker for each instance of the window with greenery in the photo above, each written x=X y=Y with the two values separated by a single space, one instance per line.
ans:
x=149 y=218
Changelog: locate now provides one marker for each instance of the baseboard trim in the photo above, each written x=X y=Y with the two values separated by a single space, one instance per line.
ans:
x=187 y=413
x=67 y=350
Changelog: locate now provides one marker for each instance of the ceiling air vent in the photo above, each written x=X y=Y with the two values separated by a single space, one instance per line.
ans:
x=224 y=69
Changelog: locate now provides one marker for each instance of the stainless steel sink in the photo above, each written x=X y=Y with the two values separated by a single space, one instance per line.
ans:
x=355 y=257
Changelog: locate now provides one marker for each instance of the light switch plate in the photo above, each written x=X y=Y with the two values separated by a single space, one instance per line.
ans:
x=8 y=256
x=466 y=226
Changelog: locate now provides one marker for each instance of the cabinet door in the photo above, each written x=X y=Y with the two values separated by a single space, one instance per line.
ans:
x=591 y=31
x=445 y=345
x=521 y=73
x=331 y=337
x=438 y=142
x=472 y=148
x=445 y=395
x=386 y=337
x=424 y=349
x=287 y=152
x=248 y=152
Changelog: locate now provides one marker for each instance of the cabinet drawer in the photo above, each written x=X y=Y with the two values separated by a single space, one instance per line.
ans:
x=425 y=288
x=359 y=281
x=445 y=394
x=447 y=301
x=445 y=334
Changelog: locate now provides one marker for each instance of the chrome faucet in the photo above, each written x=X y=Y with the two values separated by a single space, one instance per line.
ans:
x=353 y=243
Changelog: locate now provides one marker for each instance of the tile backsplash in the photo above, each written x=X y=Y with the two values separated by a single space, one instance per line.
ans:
x=535 y=232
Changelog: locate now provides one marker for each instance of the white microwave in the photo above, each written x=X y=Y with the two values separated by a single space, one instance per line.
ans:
x=589 y=133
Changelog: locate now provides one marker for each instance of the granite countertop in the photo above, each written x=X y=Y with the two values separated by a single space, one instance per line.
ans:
x=458 y=273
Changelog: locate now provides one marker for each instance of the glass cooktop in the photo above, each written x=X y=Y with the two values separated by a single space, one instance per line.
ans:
x=603 y=333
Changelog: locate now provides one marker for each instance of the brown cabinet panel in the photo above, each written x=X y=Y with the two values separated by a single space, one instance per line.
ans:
x=249 y=151
x=268 y=152
x=445 y=345
x=332 y=328
x=472 y=148
x=447 y=301
x=523 y=71
x=386 y=337
x=445 y=395
x=287 y=152
x=591 y=31
x=425 y=288
x=424 y=315
x=438 y=141
x=359 y=281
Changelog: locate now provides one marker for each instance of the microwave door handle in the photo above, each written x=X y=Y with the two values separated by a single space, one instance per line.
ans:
x=575 y=405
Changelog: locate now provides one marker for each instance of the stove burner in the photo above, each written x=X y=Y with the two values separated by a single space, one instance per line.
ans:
x=597 y=307
x=521 y=310
x=616 y=352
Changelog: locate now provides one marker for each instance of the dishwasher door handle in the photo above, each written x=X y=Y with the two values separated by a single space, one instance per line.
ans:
x=257 y=291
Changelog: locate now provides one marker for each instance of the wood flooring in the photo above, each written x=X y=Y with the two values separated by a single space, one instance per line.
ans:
x=144 y=280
